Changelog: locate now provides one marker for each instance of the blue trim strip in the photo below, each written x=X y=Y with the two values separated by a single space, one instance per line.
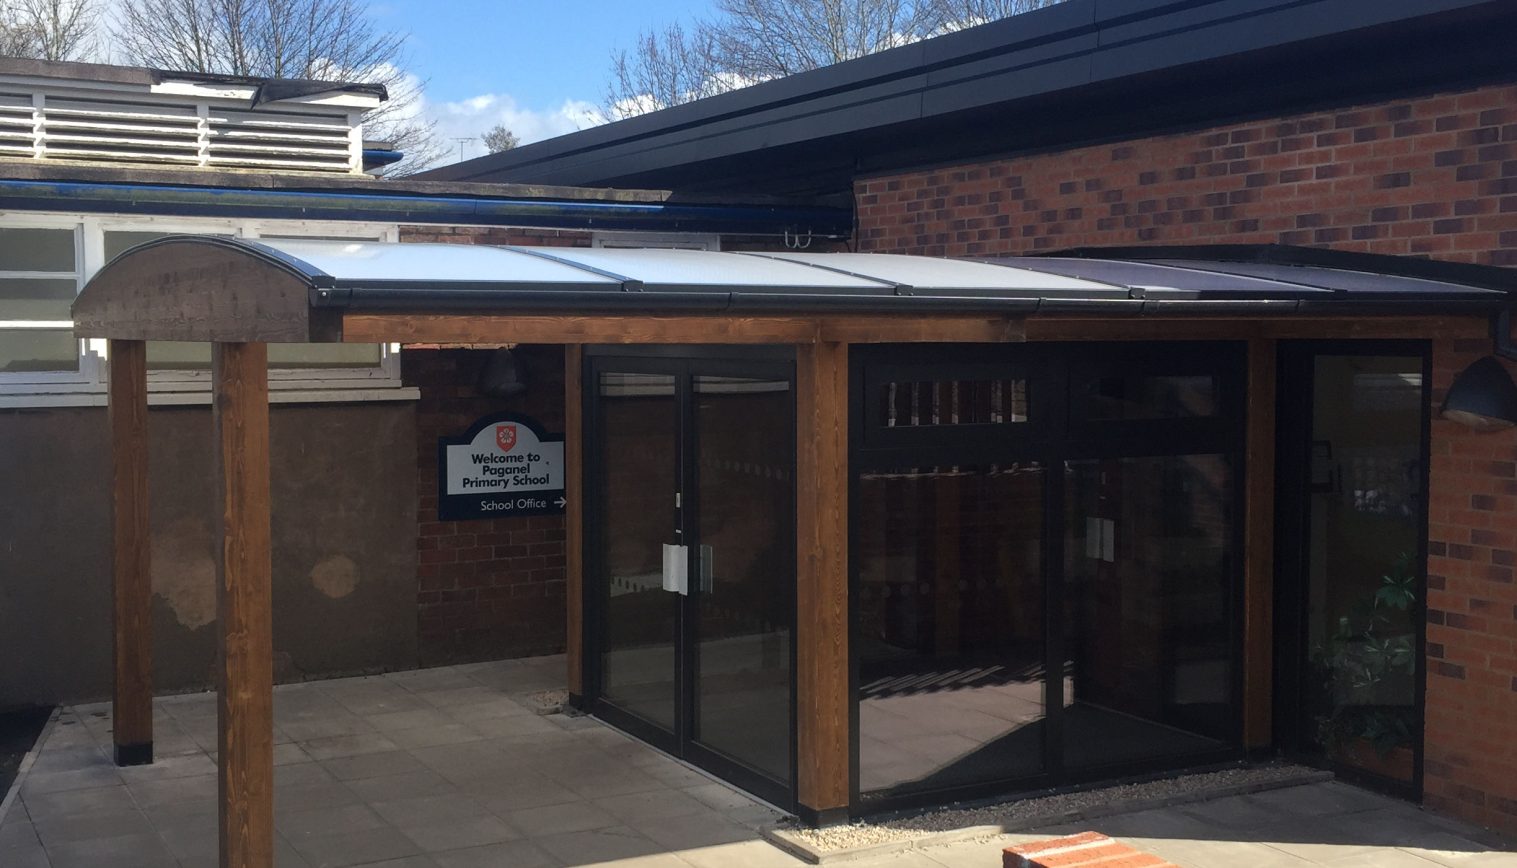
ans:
x=381 y=207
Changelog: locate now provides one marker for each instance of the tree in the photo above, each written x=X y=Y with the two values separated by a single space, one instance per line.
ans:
x=325 y=40
x=750 y=41
x=49 y=29
x=498 y=138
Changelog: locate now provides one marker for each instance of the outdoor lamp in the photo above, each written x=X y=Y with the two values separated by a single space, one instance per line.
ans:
x=1483 y=397
x=501 y=376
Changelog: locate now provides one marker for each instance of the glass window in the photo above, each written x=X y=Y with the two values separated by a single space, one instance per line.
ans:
x=950 y=619
x=37 y=350
x=37 y=250
x=1148 y=546
x=35 y=298
x=923 y=403
x=117 y=243
x=1137 y=397
x=1364 y=586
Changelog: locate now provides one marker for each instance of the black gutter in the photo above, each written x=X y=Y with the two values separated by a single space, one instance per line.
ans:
x=380 y=207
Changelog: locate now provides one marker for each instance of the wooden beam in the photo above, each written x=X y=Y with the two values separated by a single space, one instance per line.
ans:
x=574 y=517
x=821 y=521
x=1209 y=328
x=131 y=579
x=243 y=603
x=1259 y=546
x=595 y=328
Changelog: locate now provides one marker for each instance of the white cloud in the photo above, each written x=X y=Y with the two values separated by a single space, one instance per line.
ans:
x=469 y=118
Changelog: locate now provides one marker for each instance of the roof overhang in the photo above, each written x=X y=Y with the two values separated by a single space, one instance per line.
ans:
x=207 y=288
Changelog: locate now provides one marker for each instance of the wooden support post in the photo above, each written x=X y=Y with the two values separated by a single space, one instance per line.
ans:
x=132 y=624
x=821 y=521
x=574 y=518
x=243 y=602
x=1259 y=546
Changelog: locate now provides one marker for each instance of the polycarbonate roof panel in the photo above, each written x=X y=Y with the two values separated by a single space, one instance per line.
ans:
x=668 y=269
x=1152 y=279
x=1335 y=279
x=927 y=275
x=378 y=262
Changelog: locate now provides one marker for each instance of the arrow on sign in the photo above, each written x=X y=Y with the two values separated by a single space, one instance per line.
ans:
x=560 y=503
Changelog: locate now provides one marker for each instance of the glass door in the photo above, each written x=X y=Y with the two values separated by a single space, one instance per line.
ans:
x=692 y=561
x=636 y=527
x=1352 y=578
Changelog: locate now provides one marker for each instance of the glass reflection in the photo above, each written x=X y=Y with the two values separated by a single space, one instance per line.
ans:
x=950 y=614
x=1148 y=644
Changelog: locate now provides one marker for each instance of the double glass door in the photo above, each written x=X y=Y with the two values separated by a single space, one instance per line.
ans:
x=692 y=560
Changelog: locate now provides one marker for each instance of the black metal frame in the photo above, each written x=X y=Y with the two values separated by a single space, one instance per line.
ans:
x=1293 y=489
x=684 y=364
x=1053 y=434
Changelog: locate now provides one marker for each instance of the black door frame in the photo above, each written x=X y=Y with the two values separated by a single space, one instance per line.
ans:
x=684 y=364
x=1296 y=392
x=1055 y=435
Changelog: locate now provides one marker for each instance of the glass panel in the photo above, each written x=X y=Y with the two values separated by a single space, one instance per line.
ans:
x=37 y=299
x=637 y=454
x=953 y=402
x=1134 y=397
x=38 y=350
x=1147 y=577
x=178 y=356
x=950 y=615
x=746 y=571
x=1363 y=540
x=37 y=250
x=117 y=243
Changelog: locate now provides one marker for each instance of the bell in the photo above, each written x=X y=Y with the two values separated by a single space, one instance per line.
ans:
x=501 y=376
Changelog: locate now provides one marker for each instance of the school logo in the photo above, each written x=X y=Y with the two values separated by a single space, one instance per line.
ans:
x=505 y=437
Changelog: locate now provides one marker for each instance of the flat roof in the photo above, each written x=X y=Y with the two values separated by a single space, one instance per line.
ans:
x=219 y=288
x=1081 y=71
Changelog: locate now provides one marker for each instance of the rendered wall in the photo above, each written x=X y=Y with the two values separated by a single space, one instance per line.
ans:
x=344 y=543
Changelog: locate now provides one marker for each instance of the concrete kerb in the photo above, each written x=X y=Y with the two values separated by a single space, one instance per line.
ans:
x=786 y=839
x=26 y=764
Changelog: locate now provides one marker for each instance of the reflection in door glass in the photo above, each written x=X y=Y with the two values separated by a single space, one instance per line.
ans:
x=638 y=452
x=1148 y=644
x=744 y=571
x=1363 y=585
x=950 y=621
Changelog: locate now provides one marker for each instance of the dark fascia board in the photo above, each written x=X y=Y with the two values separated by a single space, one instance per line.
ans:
x=68 y=70
x=1037 y=56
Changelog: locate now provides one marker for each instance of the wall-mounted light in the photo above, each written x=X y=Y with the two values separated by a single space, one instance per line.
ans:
x=502 y=376
x=1483 y=397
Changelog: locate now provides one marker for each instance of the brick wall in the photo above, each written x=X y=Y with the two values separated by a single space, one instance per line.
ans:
x=493 y=588
x=1432 y=176
x=1470 y=766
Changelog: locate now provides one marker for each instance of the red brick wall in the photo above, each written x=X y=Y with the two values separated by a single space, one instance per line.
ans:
x=1470 y=766
x=491 y=588
x=1432 y=176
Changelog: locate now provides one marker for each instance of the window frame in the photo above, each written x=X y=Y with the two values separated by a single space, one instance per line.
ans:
x=87 y=384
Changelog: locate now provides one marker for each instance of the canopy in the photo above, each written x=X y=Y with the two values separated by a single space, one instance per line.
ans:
x=214 y=288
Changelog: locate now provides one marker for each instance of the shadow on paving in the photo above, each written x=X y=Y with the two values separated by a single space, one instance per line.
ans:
x=18 y=732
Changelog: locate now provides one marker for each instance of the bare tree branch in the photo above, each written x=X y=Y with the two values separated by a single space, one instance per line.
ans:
x=49 y=29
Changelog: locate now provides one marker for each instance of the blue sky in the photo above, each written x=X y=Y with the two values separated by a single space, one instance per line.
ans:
x=534 y=65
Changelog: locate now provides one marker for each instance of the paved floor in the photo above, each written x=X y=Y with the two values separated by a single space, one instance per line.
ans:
x=443 y=767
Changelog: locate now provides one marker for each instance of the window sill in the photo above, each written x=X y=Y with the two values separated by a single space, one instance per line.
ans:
x=41 y=399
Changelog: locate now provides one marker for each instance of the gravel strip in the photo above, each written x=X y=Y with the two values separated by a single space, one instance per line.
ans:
x=985 y=820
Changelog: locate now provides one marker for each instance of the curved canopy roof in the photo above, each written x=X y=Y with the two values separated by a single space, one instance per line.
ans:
x=209 y=286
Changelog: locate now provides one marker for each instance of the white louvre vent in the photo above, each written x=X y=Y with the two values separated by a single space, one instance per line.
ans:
x=186 y=133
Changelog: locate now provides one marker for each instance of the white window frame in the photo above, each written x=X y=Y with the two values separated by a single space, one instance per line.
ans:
x=86 y=386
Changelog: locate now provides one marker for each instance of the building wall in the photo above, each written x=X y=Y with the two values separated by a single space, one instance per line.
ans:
x=490 y=588
x=1430 y=176
x=344 y=533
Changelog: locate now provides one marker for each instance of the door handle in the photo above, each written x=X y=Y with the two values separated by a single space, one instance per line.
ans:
x=704 y=566
x=676 y=569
